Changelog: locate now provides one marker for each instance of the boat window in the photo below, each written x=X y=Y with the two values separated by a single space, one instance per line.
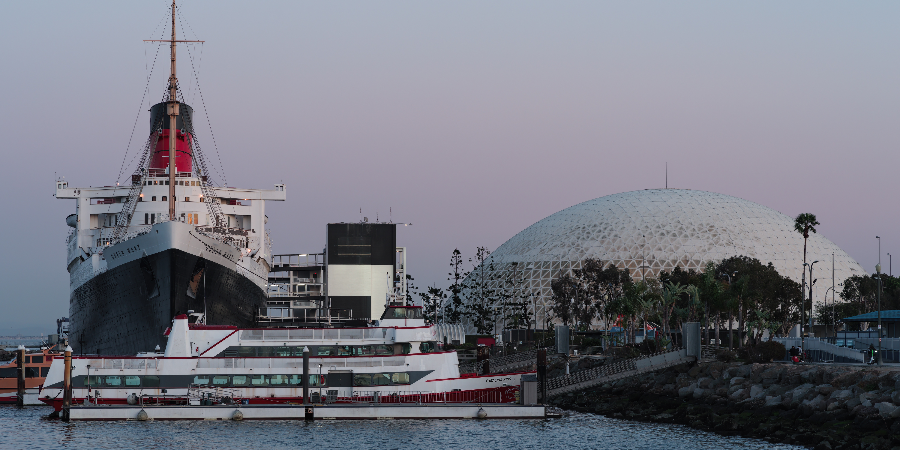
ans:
x=278 y=380
x=93 y=380
x=402 y=313
x=132 y=380
x=201 y=379
x=220 y=380
x=244 y=352
x=259 y=380
x=295 y=380
x=112 y=380
x=383 y=349
x=381 y=379
x=325 y=350
x=240 y=380
x=265 y=351
x=345 y=350
x=283 y=351
x=153 y=199
x=405 y=348
x=428 y=347
x=362 y=379
x=44 y=371
x=400 y=378
x=364 y=350
x=150 y=381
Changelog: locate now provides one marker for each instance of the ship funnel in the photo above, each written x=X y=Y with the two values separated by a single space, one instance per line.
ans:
x=159 y=120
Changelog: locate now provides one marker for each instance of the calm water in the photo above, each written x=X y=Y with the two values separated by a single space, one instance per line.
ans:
x=579 y=431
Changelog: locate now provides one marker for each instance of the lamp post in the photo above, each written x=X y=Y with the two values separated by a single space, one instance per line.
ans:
x=825 y=310
x=730 y=334
x=878 y=270
x=811 y=283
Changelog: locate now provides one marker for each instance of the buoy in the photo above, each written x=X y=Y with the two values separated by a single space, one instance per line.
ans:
x=142 y=415
x=238 y=415
x=482 y=414
x=132 y=399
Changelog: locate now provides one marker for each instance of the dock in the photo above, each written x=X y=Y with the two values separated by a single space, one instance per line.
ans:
x=319 y=412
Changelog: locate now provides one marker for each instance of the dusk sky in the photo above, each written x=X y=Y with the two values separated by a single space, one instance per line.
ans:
x=471 y=120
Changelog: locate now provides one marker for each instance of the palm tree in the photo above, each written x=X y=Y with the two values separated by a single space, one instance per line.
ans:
x=804 y=224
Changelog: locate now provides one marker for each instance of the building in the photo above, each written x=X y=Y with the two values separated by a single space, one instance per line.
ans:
x=656 y=230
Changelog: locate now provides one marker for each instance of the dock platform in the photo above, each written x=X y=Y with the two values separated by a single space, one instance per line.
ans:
x=319 y=412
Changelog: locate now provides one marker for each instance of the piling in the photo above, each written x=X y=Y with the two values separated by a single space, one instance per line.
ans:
x=20 y=376
x=542 y=375
x=308 y=415
x=67 y=384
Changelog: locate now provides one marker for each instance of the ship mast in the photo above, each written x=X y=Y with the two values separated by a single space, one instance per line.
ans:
x=173 y=122
x=173 y=110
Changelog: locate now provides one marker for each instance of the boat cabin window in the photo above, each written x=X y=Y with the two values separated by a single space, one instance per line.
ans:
x=112 y=381
x=325 y=350
x=428 y=347
x=259 y=380
x=37 y=359
x=201 y=379
x=132 y=380
x=400 y=378
x=93 y=380
x=402 y=312
x=151 y=381
x=240 y=380
x=220 y=380
x=278 y=380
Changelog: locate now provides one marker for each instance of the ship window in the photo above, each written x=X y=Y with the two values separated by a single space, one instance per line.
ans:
x=240 y=380
x=187 y=199
x=146 y=219
x=345 y=350
x=37 y=359
x=44 y=371
x=220 y=380
x=150 y=381
x=282 y=351
x=153 y=216
x=112 y=380
x=384 y=349
x=428 y=347
x=264 y=351
x=325 y=350
x=93 y=380
x=381 y=379
x=278 y=380
x=244 y=352
x=405 y=348
x=153 y=199
x=165 y=198
x=196 y=221
x=259 y=380
x=400 y=378
x=364 y=350
x=362 y=379
x=132 y=380
x=201 y=379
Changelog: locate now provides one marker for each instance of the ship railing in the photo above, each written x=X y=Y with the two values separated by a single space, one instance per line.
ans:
x=205 y=395
x=296 y=334
x=296 y=362
x=419 y=397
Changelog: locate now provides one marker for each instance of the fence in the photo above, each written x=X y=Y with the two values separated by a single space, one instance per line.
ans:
x=819 y=350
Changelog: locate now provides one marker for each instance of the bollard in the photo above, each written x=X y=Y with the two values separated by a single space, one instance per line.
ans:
x=67 y=384
x=20 y=376
x=308 y=415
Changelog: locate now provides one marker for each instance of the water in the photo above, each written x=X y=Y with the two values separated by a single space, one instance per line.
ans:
x=578 y=431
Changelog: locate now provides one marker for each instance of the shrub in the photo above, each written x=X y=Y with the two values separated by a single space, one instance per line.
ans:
x=726 y=355
x=767 y=351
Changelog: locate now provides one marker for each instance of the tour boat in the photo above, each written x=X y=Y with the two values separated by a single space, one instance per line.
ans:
x=37 y=366
x=398 y=359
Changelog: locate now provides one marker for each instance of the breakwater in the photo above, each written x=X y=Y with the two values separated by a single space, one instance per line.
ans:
x=816 y=406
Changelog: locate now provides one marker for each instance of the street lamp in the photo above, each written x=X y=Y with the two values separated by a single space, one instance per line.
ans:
x=803 y=300
x=878 y=270
x=811 y=283
x=730 y=321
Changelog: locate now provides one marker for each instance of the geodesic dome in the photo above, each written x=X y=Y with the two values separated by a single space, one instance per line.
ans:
x=656 y=230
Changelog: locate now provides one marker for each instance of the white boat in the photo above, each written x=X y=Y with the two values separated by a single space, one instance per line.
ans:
x=397 y=360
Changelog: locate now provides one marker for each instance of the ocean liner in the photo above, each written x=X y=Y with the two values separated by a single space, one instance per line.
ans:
x=169 y=243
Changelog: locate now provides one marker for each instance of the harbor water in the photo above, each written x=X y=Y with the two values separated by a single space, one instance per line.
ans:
x=27 y=428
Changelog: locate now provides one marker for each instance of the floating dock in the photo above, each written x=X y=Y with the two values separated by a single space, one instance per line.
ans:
x=319 y=412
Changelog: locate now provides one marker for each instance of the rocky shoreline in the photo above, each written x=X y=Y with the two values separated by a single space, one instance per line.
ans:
x=816 y=406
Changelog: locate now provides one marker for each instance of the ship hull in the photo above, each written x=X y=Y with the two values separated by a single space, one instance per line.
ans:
x=170 y=270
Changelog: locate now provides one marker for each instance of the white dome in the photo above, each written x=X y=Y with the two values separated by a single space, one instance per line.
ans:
x=660 y=229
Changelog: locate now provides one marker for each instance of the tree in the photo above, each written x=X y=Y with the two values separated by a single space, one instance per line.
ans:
x=480 y=292
x=455 y=306
x=563 y=289
x=804 y=224
x=432 y=300
x=669 y=299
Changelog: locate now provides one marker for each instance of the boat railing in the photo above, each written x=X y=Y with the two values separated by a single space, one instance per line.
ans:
x=205 y=395
x=419 y=397
x=296 y=334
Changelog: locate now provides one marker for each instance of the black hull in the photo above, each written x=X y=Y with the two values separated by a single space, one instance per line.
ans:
x=126 y=310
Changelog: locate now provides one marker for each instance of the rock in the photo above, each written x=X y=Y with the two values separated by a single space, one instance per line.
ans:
x=824 y=445
x=738 y=395
x=737 y=381
x=825 y=389
x=694 y=371
x=842 y=394
x=895 y=397
x=773 y=401
x=852 y=403
x=833 y=404
x=816 y=404
x=867 y=404
x=701 y=393
x=756 y=391
x=685 y=392
x=888 y=410
x=705 y=382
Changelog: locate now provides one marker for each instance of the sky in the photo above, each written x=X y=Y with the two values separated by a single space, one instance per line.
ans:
x=470 y=120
